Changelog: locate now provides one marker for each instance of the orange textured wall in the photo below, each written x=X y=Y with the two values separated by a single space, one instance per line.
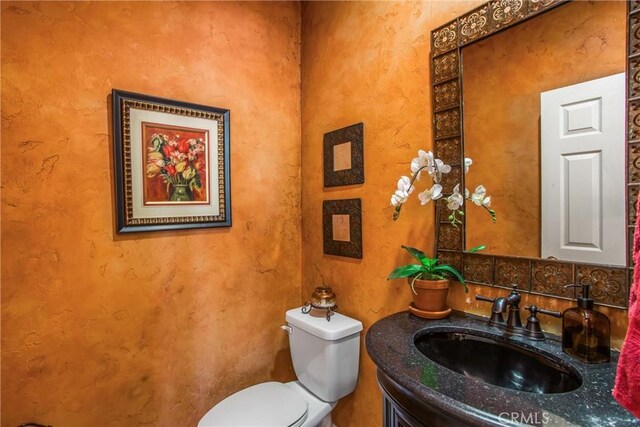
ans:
x=100 y=329
x=503 y=77
x=369 y=62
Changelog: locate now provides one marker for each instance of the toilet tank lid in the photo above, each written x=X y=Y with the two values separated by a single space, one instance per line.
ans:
x=340 y=325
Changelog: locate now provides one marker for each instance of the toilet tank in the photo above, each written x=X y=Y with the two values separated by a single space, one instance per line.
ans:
x=325 y=353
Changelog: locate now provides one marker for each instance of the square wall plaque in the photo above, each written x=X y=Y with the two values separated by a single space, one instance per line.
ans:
x=342 y=227
x=343 y=156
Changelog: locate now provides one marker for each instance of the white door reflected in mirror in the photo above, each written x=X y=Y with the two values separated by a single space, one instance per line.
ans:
x=582 y=150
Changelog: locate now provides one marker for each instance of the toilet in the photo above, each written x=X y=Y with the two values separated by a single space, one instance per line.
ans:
x=325 y=358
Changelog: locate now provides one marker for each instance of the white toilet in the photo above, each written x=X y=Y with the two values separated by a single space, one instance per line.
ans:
x=325 y=358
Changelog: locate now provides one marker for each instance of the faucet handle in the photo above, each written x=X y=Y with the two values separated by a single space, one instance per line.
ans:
x=534 y=309
x=533 y=329
x=483 y=298
x=496 y=316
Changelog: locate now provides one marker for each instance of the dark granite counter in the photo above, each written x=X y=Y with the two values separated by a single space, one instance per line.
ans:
x=390 y=344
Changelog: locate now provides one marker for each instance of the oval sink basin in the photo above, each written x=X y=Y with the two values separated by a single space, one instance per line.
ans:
x=498 y=363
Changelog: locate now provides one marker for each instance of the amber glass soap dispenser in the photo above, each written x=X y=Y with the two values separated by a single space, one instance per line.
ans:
x=586 y=332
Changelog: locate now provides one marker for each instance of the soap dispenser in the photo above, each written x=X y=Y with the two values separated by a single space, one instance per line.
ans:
x=586 y=332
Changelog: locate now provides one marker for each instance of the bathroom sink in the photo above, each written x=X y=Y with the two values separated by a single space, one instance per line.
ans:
x=502 y=364
x=460 y=371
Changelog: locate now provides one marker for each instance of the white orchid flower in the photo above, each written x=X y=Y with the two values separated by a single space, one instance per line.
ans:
x=430 y=157
x=478 y=195
x=424 y=159
x=467 y=164
x=455 y=200
x=398 y=198
x=402 y=193
x=437 y=168
x=404 y=185
x=433 y=193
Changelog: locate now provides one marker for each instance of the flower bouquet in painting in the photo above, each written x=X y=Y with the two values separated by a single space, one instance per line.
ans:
x=176 y=166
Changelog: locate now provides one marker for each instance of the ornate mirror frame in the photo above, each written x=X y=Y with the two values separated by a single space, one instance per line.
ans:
x=610 y=285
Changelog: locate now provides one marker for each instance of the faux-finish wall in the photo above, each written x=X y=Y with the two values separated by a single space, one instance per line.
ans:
x=146 y=329
x=153 y=329
x=367 y=61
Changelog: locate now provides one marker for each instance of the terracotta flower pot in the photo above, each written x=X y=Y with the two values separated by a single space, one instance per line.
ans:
x=431 y=298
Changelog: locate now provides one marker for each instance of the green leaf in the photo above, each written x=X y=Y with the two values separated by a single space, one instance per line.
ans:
x=417 y=254
x=430 y=263
x=156 y=142
x=445 y=268
x=477 y=248
x=405 y=271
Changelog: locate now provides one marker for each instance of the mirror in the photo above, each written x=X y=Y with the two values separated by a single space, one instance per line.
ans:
x=482 y=90
x=503 y=78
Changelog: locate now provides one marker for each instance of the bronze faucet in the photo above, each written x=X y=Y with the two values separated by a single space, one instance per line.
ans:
x=513 y=325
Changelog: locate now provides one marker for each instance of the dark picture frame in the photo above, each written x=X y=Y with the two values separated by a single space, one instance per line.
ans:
x=342 y=227
x=343 y=153
x=171 y=164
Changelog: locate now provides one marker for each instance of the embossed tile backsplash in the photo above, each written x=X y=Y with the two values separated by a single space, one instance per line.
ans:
x=513 y=271
x=608 y=284
x=478 y=268
x=549 y=277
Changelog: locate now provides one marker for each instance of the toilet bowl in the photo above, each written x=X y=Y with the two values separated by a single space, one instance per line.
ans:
x=325 y=357
x=271 y=404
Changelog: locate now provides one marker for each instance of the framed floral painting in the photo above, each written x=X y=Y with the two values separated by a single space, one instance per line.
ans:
x=171 y=163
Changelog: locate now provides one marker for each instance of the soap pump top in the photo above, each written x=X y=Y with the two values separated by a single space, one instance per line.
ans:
x=583 y=301
x=586 y=332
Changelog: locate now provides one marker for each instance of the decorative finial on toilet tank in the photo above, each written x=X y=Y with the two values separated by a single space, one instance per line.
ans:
x=323 y=298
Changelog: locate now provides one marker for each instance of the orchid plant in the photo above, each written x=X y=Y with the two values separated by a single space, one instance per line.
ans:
x=428 y=269
x=436 y=168
x=426 y=163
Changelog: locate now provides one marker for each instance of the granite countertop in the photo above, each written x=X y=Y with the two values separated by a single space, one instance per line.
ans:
x=390 y=345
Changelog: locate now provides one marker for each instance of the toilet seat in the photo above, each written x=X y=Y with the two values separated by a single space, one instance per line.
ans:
x=266 y=404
